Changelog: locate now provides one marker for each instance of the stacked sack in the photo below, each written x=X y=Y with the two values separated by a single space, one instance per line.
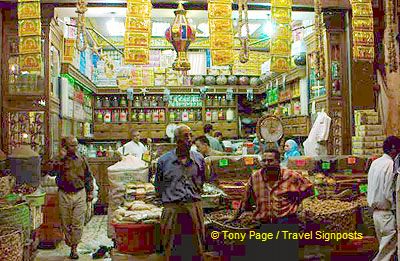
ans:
x=369 y=133
x=140 y=191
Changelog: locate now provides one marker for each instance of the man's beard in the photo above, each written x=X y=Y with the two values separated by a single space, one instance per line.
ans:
x=272 y=169
x=183 y=149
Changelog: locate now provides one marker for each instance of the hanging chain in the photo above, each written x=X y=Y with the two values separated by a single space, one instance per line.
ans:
x=81 y=27
x=319 y=59
x=244 y=40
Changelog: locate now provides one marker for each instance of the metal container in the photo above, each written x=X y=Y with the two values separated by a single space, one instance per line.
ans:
x=25 y=166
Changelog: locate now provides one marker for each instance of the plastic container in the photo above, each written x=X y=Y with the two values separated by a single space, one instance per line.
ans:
x=36 y=200
x=135 y=238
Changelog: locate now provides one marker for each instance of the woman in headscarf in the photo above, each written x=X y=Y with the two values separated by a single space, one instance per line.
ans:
x=291 y=150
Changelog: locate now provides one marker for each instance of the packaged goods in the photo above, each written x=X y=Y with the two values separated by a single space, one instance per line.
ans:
x=355 y=163
x=301 y=163
x=364 y=145
x=129 y=170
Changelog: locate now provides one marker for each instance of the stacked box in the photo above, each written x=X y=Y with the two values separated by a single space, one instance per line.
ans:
x=136 y=77
x=369 y=134
x=159 y=76
x=148 y=77
x=171 y=77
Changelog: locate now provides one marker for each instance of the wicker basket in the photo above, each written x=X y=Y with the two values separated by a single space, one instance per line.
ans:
x=36 y=200
x=17 y=216
x=11 y=246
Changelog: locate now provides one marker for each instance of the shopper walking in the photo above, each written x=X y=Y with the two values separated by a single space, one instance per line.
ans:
x=179 y=181
x=75 y=189
x=380 y=198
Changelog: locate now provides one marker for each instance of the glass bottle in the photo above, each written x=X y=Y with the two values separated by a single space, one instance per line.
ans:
x=208 y=101
x=171 y=116
x=223 y=101
x=106 y=103
x=230 y=115
x=161 y=116
x=208 y=115
x=145 y=102
x=115 y=102
x=123 y=102
x=191 y=115
x=98 y=103
x=155 y=116
x=214 y=116
x=141 y=116
x=221 y=115
x=137 y=103
x=99 y=116
x=185 y=116
x=107 y=117
x=154 y=100
x=122 y=116
x=134 y=116
x=178 y=116
x=198 y=115
x=148 y=116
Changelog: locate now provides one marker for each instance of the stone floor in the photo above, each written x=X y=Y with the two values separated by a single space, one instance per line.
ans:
x=94 y=235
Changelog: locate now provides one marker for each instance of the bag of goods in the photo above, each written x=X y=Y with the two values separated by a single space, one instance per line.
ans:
x=355 y=163
x=301 y=163
x=220 y=168
x=331 y=215
x=129 y=169
x=211 y=196
x=140 y=191
x=137 y=212
x=369 y=130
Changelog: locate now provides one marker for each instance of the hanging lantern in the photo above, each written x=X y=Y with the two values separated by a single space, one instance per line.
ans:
x=180 y=34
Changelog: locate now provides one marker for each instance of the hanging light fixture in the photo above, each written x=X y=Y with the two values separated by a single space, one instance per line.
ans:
x=181 y=35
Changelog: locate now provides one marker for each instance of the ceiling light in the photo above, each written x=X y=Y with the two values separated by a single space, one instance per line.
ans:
x=115 y=28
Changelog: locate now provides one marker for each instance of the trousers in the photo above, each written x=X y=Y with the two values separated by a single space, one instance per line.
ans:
x=72 y=211
x=385 y=227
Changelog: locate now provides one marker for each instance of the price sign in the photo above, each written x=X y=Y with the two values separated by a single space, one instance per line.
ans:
x=223 y=163
x=326 y=165
x=363 y=188
x=235 y=204
x=300 y=163
x=316 y=193
x=248 y=161
x=351 y=160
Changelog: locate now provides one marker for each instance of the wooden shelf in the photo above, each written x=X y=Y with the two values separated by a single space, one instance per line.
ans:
x=147 y=108
x=177 y=108
x=220 y=107
x=112 y=108
x=69 y=69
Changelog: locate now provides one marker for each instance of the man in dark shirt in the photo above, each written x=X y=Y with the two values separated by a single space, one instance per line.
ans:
x=75 y=183
x=179 y=181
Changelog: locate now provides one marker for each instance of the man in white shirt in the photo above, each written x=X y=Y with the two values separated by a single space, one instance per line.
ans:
x=380 y=198
x=134 y=147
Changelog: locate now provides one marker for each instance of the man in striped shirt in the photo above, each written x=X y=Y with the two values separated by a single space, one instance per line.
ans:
x=277 y=192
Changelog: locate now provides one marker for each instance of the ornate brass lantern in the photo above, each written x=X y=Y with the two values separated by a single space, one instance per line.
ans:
x=180 y=35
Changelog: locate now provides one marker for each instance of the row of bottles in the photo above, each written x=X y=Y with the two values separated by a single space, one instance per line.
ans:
x=151 y=101
x=111 y=116
x=220 y=115
x=185 y=115
x=148 y=116
x=109 y=102
x=218 y=101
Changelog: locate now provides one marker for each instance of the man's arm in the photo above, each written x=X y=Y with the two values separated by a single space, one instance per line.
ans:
x=388 y=181
x=88 y=181
x=245 y=202
x=158 y=179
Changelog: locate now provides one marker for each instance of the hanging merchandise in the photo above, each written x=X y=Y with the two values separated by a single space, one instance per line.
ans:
x=30 y=33
x=229 y=94
x=221 y=32
x=244 y=39
x=81 y=37
x=363 y=29
x=138 y=32
x=249 y=94
x=203 y=93
x=390 y=29
x=281 y=12
x=320 y=58
x=166 y=95
x=180 y=34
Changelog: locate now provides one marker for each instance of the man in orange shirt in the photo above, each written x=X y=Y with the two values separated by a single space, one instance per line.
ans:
x=277 y=192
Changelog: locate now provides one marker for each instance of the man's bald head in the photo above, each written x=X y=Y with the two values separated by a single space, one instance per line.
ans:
x=70 y=144
x=181 y=131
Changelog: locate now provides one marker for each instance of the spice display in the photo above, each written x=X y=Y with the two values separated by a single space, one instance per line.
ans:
x=281 y=12
x=363 y=29
x=30 y=33
x=244 y=221
x=221 y=32
x=137 y=34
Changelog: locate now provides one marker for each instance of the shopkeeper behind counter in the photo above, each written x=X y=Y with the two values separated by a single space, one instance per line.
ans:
x=134 y=147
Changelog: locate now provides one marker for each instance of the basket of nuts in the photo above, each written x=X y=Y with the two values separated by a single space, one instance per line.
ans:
x=331 y=215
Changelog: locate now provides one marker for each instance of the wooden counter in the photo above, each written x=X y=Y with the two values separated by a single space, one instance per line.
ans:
x=99 y=167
